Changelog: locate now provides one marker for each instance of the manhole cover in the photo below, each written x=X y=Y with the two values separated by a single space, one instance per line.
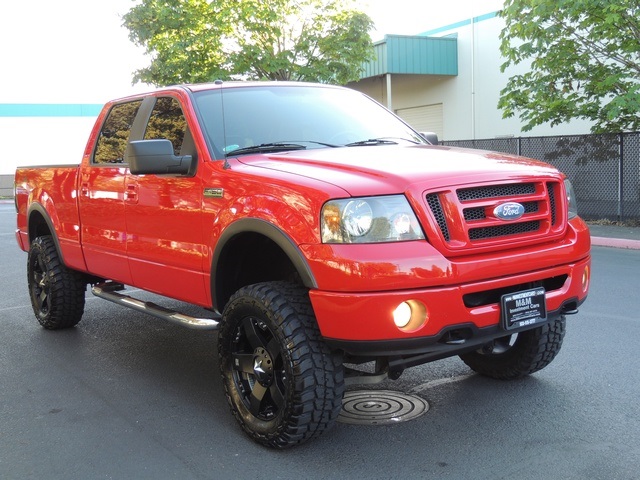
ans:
x=380 y=407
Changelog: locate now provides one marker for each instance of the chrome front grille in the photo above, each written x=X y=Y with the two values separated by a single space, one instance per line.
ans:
x=465 y=218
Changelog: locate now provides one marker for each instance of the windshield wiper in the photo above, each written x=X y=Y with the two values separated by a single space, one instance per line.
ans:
x=380 y=141
x=266 y=148
x=371 y=141
x=324 y=144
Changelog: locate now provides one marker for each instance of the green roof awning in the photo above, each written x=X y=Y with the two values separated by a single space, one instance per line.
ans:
x=399 y=54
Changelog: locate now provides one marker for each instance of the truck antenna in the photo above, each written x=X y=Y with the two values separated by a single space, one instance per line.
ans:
x=226 y=165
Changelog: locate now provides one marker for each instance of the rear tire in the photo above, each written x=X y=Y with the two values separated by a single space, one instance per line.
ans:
x=57 y=293
x=282 y=382
x=518 y=355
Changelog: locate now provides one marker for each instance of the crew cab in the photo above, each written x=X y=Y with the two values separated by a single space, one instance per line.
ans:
x=321 y=232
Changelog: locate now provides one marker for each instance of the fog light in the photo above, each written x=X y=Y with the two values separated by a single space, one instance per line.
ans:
x=402 y=315
x=410 y=315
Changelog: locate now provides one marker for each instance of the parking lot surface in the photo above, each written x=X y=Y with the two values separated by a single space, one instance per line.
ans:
x=125 y=396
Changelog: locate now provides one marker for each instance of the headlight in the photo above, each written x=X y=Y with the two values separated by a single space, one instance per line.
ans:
x=369 y=220
x=571 y=200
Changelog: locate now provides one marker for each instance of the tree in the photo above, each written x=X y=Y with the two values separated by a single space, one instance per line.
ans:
x=584 y=62
x=202 y=40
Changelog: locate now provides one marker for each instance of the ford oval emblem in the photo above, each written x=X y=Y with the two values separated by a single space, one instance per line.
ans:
x=509 y=211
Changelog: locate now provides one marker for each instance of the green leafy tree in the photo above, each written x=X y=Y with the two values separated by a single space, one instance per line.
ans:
x=584 y=58
x=202 y=40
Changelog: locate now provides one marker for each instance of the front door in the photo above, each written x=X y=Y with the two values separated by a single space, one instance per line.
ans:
x=164 y=216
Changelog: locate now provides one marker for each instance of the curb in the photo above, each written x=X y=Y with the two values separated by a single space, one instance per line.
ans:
x=615 y=243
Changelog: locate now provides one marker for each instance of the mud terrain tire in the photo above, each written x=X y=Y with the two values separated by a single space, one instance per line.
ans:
x=511 y=358
x=57 y=293
x=283 y=384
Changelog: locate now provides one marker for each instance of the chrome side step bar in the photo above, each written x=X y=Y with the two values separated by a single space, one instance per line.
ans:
x=108 y=291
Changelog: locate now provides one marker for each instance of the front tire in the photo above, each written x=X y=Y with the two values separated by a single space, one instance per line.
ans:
x=283 y=384
x=57 y=293
x=518 y=355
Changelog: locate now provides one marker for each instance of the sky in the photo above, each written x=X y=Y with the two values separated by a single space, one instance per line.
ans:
x=76 y=51
x=410 y=17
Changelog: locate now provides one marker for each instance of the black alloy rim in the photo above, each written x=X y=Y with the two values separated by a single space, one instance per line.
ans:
x=40 y=285
x=258 y=369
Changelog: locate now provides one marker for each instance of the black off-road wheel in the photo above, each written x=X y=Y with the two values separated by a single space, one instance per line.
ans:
x=282 y=382
x=57 y=293
x=518 y=355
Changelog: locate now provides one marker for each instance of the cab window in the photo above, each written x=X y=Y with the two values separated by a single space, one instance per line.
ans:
x=167 y=122
x=114 y=135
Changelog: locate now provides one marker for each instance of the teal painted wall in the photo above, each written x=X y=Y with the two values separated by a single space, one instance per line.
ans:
x=49 y=110
x=398 y=54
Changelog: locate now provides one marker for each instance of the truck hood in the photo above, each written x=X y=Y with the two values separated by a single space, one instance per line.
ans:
x=390 y=169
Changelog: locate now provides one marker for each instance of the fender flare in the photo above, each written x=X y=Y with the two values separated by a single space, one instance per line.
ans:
x=270 y=231
x=37 y=207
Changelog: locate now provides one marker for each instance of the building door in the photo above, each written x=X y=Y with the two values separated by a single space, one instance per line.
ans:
x=427 y=118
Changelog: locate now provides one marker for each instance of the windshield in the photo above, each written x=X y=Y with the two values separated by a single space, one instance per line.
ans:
x=273 y=118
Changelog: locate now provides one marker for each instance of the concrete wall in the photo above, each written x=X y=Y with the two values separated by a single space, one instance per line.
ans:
x=6 y=186
x=43 y=140
x=40 y=141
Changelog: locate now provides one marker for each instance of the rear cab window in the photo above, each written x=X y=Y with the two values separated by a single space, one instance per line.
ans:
x=114 y=134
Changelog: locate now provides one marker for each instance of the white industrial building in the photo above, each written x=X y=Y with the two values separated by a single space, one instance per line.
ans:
x=453 y=90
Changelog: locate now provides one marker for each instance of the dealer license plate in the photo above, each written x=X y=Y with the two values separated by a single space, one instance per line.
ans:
x=525 y=308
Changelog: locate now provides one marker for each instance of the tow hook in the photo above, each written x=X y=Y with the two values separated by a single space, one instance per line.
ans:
x=487 y=348
x=458 y=336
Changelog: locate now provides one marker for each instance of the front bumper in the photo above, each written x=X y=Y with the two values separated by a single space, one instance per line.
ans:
x=362 y=323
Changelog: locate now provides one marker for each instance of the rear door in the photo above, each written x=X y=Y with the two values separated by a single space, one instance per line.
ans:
x=102 y=195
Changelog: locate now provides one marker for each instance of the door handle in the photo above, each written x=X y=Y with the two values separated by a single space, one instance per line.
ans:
x=131 y=194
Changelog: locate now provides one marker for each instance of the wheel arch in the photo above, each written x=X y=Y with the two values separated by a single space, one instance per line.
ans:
x=252 y=250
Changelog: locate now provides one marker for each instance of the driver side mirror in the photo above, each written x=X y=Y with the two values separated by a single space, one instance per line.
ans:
x=156 y=157
x=430 y=137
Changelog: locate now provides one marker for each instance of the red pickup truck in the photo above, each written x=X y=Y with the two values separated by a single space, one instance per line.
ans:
x=321 y=231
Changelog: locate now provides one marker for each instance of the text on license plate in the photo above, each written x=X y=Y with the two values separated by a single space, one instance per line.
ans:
x=524 y=308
